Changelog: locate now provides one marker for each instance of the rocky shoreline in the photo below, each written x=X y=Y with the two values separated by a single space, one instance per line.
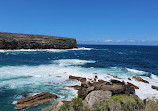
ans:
x=30 y=41
x=93 y=91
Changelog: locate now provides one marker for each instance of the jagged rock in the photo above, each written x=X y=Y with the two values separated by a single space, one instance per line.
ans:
x=132 y=85
x=96 y=98
x=86 y=84
x=89 y=89
x=82 y=92
x=76 y=87
x=81 y=79
x=140 y=79
x=30 y=41
x=154 y=87
x=115 y=89
x=101 y=81
x=36 y=99
x=130 y=90
x=113 y=81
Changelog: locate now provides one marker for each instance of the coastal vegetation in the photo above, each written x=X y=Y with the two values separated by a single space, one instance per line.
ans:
x=115 y=103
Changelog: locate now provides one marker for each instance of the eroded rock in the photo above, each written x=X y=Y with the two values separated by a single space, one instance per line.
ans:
x=76 y=87
x=140 y=79
x=81 y=79
x=154 y=87
x=36 y=99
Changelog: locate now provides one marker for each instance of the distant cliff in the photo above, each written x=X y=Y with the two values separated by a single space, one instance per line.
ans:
x=30 y=41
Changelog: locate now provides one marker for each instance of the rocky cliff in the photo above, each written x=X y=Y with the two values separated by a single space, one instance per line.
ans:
x=30 y=41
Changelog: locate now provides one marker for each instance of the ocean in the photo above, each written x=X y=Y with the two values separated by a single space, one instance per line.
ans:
x=28 y=72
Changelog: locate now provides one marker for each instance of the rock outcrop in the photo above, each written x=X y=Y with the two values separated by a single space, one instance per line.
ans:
x=81 y=79
x=29 y=41
x=36 y=99
x=96 y=98
x=154 y=87
x=114 y=86
x=140 y=79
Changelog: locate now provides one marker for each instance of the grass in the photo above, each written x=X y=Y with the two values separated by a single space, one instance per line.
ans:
x=115 y=103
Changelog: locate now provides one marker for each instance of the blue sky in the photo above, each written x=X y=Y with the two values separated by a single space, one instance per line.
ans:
x=89 y=21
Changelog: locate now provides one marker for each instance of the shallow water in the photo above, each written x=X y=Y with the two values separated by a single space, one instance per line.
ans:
x=30 y=72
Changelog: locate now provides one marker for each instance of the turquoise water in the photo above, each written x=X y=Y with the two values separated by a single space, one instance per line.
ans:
x=28 y=72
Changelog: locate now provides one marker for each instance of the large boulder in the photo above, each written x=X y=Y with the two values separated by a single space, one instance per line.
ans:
x=36 y=99
x=83 y=92
x=96 y=98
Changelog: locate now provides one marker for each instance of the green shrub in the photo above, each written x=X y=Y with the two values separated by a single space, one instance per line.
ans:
x=75 y=105
x=115 y=103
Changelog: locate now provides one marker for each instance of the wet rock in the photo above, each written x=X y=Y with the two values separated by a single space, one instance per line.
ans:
x=129 y=79
x=96 y=76
x=86 y=84
x=140 y=79
x=154 y=87
x=76 y=87
x=113 y=81
x=101 y=81
x=81 y=79
x=115 y=89
x=36 y=99
x=132 y=85
x=96 y=98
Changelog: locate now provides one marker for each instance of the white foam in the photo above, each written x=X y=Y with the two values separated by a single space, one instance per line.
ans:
x=47 y=74
x=67 y=62
x=135 y=71
x=49 y=50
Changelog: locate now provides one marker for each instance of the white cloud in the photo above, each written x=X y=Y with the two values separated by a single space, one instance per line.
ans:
x=119 y=40
x=107 y=40
x=130 y=40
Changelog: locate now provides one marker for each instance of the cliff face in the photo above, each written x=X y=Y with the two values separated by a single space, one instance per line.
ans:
x=29 y=41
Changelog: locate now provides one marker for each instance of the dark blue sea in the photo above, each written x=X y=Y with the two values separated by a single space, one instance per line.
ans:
x=28 y=72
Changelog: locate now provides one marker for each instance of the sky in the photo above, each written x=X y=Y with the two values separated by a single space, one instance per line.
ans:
x=118 y=22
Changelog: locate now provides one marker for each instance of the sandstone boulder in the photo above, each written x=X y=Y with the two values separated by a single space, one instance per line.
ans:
x=96 y=98
x=36 y=99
